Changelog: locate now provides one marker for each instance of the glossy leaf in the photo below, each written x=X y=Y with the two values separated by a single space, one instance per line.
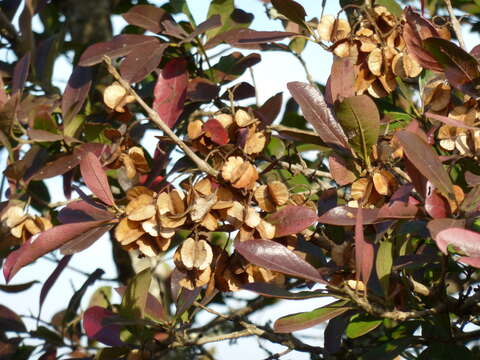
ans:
x=346 y=216
x=119 y=46
x=449 y=121
x=274 y=256
x=291 y=9
x=305 y=320
x=44 y=242
x=292 y=219
x=360 y=120
x=95 y=178
x=170 y=91
x=424 y=158
x=141 y=62
x=384 y=263
x=134 y=300
x=95 y=323
x=435 y=204
x=84 y=240
x=465 y=241
x=317 y=113
x=360 y=325
x=148 y=17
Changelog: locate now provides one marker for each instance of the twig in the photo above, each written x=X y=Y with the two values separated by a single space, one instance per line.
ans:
x=304 y=170
x=455 y=24
x=202 y=165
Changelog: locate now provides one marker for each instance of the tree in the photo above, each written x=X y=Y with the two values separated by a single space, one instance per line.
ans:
x=383 y=216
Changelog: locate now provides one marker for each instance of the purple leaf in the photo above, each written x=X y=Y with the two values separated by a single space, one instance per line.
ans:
x=202 y=90
x=141 y=62
x=364 y=252
x=339 y=170
x=292 y=220
x=95 y=323
x=435 y=204
x=81 y=210
x=437 y=225
x=20 y=73
x=305 y=320
x=148 y=17
x=270 y=109
x=62 y=264
x=240 y=91
x=119 y=46
x=249 y=36
x=424 y=158
x=274 y=256
x=84 y=240
x=211 y=23
x=317 y=113
x=170 y=91
x=44 y=242
x=76 y=92
x=346 y=216
x=95 y=178
x=292 y=10
x=341 y=83
x=10 y=321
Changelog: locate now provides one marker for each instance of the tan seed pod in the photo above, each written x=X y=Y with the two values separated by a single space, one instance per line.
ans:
x=201 y=206
x=464 y=113
x=203 y=187
x=13 y=216
x=151 y=226
x=196 y=254
x=459 y=197
x=128 y=231
x=264 y=199
x=358 y=188
x=146 y=247
x=243 y=118
x=325 y=27
x=252 y=218
x=278 y=192
x=266 y=230
x=115 y=97
x=377 y=90
x=342 y=50
x=225 y=119
x=388 y=82
x=235 y=214
x=31 y=226
x=255 y=143
x=397 y=66
x=129 y=166
x=137 y=191
x=412 y=68
x=245 y=233
x=375 y=62
x=248 y=177
x=384 y=182
x=195 y=129
x=138 y=157
x=436 y=94
x=355 y=285
x=141 y=208
x=210 y=222
x=232 y=163
x=177 y=201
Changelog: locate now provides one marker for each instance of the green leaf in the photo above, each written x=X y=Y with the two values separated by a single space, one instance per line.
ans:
x=304 y=320
x=101 y=297
x=231 y=18
x=360 y=119
x=134 y=300
x=391 y=6
x=384 y=264
x=388 y=350
x=360 y=325
x=276 y=148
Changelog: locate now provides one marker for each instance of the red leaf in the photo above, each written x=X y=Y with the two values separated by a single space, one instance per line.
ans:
x=148 y=17
x=340 y=171
x=292 y=220
x=346 y=216
x=435 y=204
x=317 y=113
x=79 y=211
x=364 y=252
x=201 y=89
x=215 y=131
x=341 y=83
x=95 y=323
x=170 y=91
x=140 y=63
x=95 y=178
x=44 y=242
x=84 y=240
x=120 y=45
x=274 y=256
x=450 y=121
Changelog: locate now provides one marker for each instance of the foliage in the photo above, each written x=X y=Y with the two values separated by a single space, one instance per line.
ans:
x=383 y=217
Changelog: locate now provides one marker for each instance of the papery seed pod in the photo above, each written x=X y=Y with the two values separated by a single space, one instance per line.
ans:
x=278 y=192
x=225 y=119
x=138 y=157
x=115 y=97
x=359 y=187
x=266 y=230
x=375 y=62
x=243 y=118
x=195 y=129
x=255 y=143
x=332 y=30
x=436 y=94
x=264 y=199
x=141 y=208
x=252 y=218
x=196 y=254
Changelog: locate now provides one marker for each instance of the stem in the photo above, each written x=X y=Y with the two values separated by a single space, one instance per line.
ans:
x=202 y=165
x=456 y=24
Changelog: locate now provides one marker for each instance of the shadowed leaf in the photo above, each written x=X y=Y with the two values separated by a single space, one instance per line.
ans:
x=134 y=300
x=292 y=10
x=62 y=264
x=269 y=111
x=16 y=288
x=364 y=252
x=95 y=323
x=148 y=17
x=141 y=62
x=10 y=321
x=20 y=73
x=271 y=290
x=76 y=92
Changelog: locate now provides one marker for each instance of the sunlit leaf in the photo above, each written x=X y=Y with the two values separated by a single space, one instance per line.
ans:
x=360 y=325
x=292 y=220
x=95 y=323
x=95 y=178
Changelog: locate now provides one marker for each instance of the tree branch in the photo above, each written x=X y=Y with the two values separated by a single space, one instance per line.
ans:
x=153 y=115
x=457 y=28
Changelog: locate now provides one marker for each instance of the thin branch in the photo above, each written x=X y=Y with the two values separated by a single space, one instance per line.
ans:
x=202 y=165
x=304 y=170
x=457 y=28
